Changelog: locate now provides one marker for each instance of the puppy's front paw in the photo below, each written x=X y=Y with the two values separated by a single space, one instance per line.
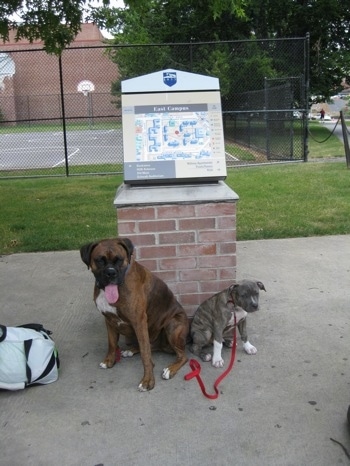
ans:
x=218 y=363
x=205 y=357
x=249 y=349
x=217 y=360
x=228 y=343
x=127 y=354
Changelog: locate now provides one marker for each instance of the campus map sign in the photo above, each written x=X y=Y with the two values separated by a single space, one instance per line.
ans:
x=172 y=128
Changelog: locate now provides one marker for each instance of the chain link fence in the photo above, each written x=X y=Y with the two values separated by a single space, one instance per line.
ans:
x=62 y=115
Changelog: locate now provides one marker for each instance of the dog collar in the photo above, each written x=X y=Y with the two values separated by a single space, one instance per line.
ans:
x=231 y=300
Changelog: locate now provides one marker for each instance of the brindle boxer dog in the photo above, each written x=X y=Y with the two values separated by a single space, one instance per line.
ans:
x=137 y=304
x=214 y=320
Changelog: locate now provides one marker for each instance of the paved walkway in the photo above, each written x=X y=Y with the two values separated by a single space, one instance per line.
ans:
x=279 y=407
x=332 y=125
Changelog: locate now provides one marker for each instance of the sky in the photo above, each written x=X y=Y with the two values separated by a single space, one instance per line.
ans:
x=112 y=3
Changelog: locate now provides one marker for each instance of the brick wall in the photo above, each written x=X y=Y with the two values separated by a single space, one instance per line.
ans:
x=35 y=86
x=192 y=247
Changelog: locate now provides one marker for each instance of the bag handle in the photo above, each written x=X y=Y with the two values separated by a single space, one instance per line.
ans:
x=3 y=332
x=37 y=327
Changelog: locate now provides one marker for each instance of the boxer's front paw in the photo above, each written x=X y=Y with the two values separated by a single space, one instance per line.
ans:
x=127 y=354
x=166 y=374
x=249 y=349
x=108 y=362
x=146 y=384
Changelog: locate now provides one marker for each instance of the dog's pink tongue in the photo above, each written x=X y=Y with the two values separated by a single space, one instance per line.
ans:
x=112 y=293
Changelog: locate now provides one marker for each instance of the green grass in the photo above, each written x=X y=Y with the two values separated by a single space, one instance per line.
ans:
x=239 y=152
x=321 y=145
x=285 y=201
x=116 y=168
x=56 y=214
x=44 y=127
x=277 y=201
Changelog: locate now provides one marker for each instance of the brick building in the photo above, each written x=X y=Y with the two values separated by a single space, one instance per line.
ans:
x=34 y=90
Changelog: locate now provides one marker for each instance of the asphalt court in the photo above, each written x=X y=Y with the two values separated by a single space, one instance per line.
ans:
x=46 y=149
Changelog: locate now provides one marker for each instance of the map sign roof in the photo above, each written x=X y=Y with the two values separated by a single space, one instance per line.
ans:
x=169 y=81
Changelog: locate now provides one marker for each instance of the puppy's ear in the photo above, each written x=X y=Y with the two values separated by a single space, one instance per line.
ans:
x=85 y=253
x=233 y=289
x=127 y=245
x=261 y=285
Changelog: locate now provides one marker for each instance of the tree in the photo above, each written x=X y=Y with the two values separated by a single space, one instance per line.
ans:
x=327 y=22
x=240 y=68
x=55 y=22
x=176 y=22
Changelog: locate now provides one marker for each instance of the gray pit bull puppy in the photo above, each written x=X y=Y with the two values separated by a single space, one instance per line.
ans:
x=214 y=320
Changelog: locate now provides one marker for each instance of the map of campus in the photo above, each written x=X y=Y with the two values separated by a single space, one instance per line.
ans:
x=167 y=139
x=172 y=132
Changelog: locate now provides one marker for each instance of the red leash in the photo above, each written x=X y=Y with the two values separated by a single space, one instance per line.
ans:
x=196 y=369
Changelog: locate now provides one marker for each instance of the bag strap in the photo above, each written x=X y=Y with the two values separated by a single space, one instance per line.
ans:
x=27 y=346
x=48 y=369
x=3 y=333
x=37 y=327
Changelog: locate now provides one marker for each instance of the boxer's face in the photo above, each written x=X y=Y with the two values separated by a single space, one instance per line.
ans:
x=108 y=259
x=109 y=263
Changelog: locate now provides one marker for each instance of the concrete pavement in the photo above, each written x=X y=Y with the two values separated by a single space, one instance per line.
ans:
x=279 y=407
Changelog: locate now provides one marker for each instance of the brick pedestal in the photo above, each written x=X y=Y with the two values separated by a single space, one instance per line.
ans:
x=184 y=234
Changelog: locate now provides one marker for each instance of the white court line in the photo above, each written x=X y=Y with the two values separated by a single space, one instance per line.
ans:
x=31 y=149
x=232 y=156
x=62 y=161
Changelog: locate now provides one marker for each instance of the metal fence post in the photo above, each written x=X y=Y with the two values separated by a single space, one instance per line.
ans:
x=345 y=138
x=307 y=86
x=63 y=117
